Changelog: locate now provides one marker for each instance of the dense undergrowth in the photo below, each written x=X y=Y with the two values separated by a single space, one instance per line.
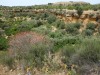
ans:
x=37 y=41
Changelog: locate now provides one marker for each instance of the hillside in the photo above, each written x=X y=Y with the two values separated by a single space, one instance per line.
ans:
x=66 y=15
x=60 y=38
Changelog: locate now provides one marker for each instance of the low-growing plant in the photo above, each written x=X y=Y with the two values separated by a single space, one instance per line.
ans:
x=98 y=29
x=88 y=32
x=3 y=43
x=51 y=19
x=1 y=32
x=6 y=60
x=72 y=28
x=88 y=53
x=60 y=24
x=30 y=47
x=91 y=51
x=91 y=26
x=77 y=25
x=67 y=52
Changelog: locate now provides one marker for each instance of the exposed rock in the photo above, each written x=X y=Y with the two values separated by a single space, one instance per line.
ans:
x=71 y=3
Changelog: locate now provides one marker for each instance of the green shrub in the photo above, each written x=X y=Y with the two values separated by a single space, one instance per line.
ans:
x=37 y=55
x=88 y=32
x=6 y=60
x=38 y=23
x=69 y=40
x=56 y=34
x=91 y=50
x=51 y=19
x=1 y=32
x=30 y=47
x=99 y=29
x=42 y=29
x=72 y=28
x=44 y=15
x=3 y=43
x=11 y=31
x=67 y=52
x=79 y=10
x=88 y=52
x=60 y=24
x=77 y=25
x=1 y=23
x=91 y=26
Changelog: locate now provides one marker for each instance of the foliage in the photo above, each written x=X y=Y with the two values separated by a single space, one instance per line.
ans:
x=52 y=42
x=91 y=51
x=79 y=10
x=30 y=46
x=51 y=19
x=6 y=60
x=11 y=30
x=88 y=32
x=3 y=43
x=60 y=24
x=1 y=32
x=88 y=53
x=67 y=52
x=73 y=28
x=91 y=26
x=90 y=29
x=99 y=29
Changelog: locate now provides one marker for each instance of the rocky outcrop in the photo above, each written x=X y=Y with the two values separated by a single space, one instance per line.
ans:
x=71 y=3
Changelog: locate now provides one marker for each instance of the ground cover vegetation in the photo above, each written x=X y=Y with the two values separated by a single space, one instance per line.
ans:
x=44 y=42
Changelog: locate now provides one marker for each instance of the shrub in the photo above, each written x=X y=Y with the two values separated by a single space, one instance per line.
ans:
x=1 y=32
x=11 y=30
x=28 y=25
x=91 y=51
x=44 y=15
x=3 y=43
x=91 y=26
x=38 y=23
x=55 y=34
x=79 y=10
x=51 y=19
x=67 y=52
x=88 y=32
x=6 y=60
x=69 y=40
x=77 y=25
x=30 y=47
x=98 y=20
x=99 y=29
x=60 y=24
x=88 y=53
x=1 y=23
x=72 y=28
x=37 y=55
